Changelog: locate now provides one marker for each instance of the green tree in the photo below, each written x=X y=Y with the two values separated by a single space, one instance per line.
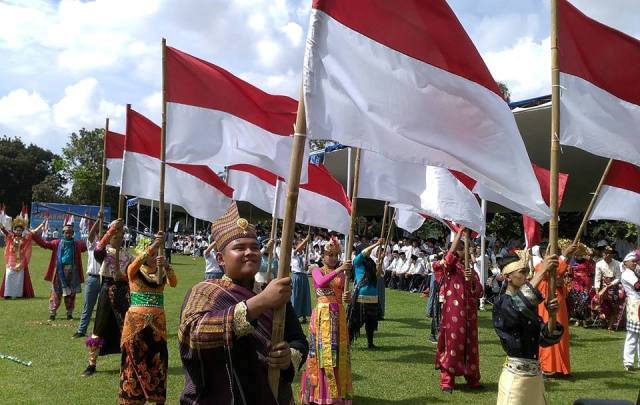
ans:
x=82 y=164
x=506 y=93
x=21 y=168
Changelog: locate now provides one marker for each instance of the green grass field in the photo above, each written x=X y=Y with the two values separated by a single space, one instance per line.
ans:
x=400 y=372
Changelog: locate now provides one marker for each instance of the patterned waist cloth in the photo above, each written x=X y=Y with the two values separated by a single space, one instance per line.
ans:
x=525 y=367
x=147 y=299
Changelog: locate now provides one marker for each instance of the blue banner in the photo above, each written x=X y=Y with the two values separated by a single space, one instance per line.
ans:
x=132 y=201
x=57 y=213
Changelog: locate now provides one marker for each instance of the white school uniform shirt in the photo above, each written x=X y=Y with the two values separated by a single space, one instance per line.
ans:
x=93 y=267
x=604 y=269
x=387 y=263
x=297 y=266
x=629 y=279
x=397 y=264
x=211 y=264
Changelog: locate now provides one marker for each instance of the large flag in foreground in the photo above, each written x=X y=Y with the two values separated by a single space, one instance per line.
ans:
x=532 y=228
x=196 y=188
x=427 y=189
x=322 y=201
x=407 y=82
x=215 y=118
x=619 y=197
x=113 y=151
x=600 y=79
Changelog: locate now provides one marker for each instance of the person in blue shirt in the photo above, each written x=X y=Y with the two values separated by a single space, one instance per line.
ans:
x=364 y=300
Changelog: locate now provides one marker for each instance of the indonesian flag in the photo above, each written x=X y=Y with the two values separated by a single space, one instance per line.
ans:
x=403 y=79
x=113 y=151
x=619 y=197
x=24 y=213
x=600 y=95
x=322 y=201
x=5 y=220
x=532 y=229
x=430 y=190
x=68 y=219
x=411 y=220
x=196 y=188
x=214 y=118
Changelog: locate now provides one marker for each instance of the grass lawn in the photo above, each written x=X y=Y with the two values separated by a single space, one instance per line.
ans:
x=400 y=372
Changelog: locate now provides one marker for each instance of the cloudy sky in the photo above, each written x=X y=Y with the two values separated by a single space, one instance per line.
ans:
x=69 y=64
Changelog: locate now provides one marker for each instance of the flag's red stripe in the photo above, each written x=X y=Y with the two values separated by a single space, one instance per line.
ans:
x=544 y=178
x=196 y=82
x=426 y=30
x=323 y=183
x=258 y=172
x=464 y=179
x=143 y=136
x=599 y=54
x=114 y=148
x=624 y=175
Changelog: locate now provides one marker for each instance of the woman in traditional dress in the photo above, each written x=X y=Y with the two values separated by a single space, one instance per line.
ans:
x=556 y=359
x=301 y=296
x=522 y=332
x=364 y=308
x=327 y=378
x=581 y=272
x=113 y=301
x=143 y=369
x=17 y=254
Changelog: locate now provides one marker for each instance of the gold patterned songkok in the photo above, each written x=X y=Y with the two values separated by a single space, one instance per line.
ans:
x=230 y=227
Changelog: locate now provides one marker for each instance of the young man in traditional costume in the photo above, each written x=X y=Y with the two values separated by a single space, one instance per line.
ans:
x=17 y=254
x=522 y=332
x=113 y=301
x=327 y=378
x=65 y=270
x=145 y=360
x=225 y=327
x=631 y=284
x=457 y=353
x=608 y=301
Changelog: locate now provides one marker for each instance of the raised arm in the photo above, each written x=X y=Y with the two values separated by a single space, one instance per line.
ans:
x=45 y=244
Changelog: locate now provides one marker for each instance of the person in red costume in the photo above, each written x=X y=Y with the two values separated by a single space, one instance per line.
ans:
x=457 y=352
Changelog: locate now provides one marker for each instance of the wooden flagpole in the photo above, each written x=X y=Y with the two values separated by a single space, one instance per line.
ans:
x=392 y=224
x=382 y=250
x=592 y=203
x=354 y=214
x=554 y=154
x=163 y=137
x=104 y=174
x=306 y=249
x=467 y=244
x=288 y=228
x=274 y=231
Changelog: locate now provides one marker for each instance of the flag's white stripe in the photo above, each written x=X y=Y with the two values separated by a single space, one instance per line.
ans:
x=115 y=171
x=247 y=187
x=317 y=210
x=199 y=199
x=364 y=94
x=197 y=135
x=409 y=220
x=597 y=121
x=617 y=204
x=432 y=190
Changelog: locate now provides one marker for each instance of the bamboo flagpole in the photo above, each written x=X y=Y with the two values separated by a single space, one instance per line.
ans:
x=104 y=175
x=554 y=154
x=274 y=232
x=163 y=145
x=392 y=224
x=288 y=227
x=354 y=214
x=467 y=244
x=382 y=250
x=592 y=203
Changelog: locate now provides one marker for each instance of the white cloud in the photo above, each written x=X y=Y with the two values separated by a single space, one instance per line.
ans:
x=152 y=106
x=268 y=51
x=294 y=32
x=21 y=110
x=525 y=68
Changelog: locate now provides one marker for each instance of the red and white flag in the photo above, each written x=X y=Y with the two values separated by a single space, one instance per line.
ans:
x=406 y=81
x=196 y=188
x=215 y=118
x=322 y=201
x=5 y=220
x=600 y=87
x=430 y=190
x=619 y=197
x=24 y=213
x=68 y=219
x=532 y=228
x=113 y=151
